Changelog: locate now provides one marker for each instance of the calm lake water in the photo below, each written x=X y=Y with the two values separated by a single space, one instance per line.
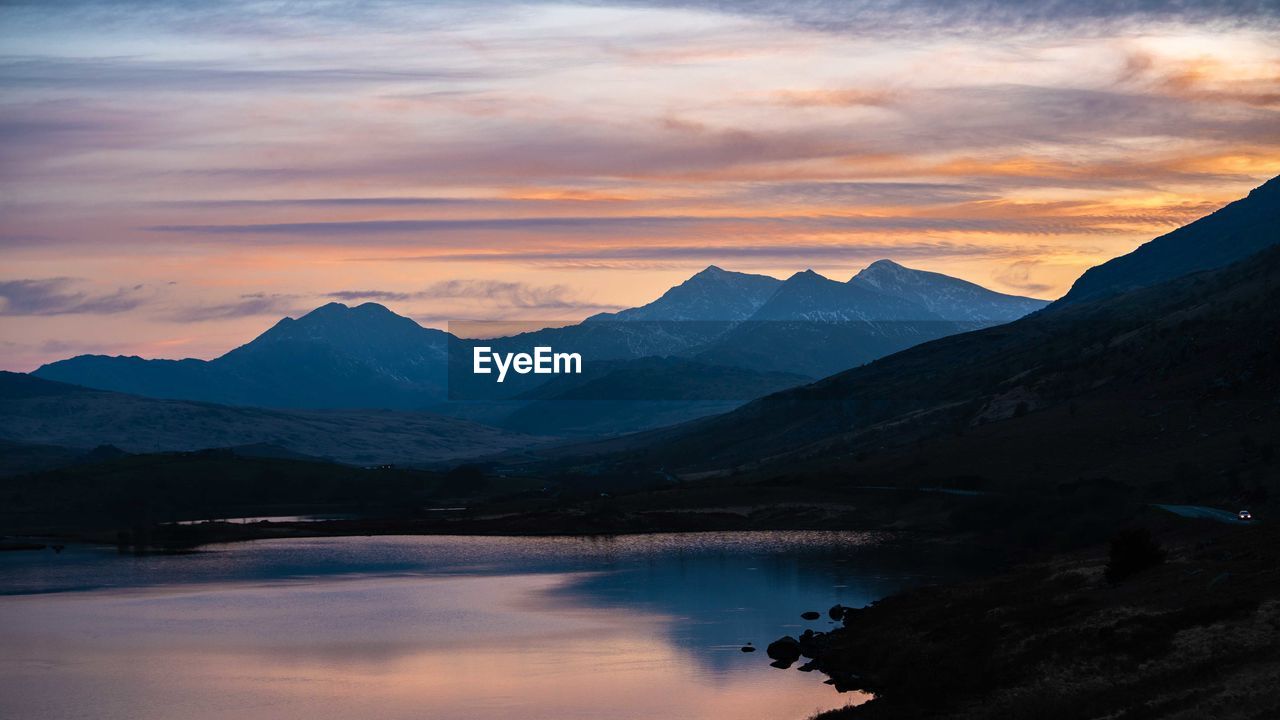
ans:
x=445 y=628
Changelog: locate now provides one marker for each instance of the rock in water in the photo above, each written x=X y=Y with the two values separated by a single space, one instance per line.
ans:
x=810 y=615
x=748 y=648
x=836 y=612
x=784 y=649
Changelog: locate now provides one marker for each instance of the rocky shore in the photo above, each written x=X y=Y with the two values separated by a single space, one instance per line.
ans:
x=1195 y=636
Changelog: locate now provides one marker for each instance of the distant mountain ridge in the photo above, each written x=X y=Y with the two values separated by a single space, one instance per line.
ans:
x=810 y=297
x=712 y=294
x=366 y=356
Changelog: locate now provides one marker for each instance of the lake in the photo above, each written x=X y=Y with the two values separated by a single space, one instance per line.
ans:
x=644 y=626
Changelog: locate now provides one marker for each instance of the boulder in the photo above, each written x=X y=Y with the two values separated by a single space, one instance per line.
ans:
x=785 y=649
x=810 y=615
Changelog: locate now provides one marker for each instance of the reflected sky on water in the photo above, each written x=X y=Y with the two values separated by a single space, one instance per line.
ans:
x=433 y=627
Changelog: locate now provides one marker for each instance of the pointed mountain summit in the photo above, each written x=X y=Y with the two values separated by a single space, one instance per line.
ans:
x=945 y=296
x=1238 y=230
x=369 y=332
x=711 y=294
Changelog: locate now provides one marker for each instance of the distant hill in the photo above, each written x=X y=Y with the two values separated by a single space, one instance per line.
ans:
x=1242 y=228
x=333 y=357
x=34 y=411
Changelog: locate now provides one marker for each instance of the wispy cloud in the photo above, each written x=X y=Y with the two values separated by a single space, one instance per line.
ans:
x=247 y=305
x=58 y=296
x=658 y=224
x=765 y=251
x=137 y=74
x=1018 y=274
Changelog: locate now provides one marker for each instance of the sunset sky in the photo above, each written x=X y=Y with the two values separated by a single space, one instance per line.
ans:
x=174 y=178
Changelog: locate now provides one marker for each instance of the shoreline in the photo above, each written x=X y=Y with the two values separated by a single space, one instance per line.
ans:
x=1197 y=635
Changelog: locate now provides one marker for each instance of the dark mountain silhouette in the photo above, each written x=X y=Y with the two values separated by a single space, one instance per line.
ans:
x=808 y=325
x=1229 y=235
x=368 y=357
x=687 y=316
x=817 y=326
x=810 y=297
x=333 y=357
x=35 y=411
x=1171 y=383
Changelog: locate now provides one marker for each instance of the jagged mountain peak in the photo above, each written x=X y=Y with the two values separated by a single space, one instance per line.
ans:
x=807 y=275
x=711 y=271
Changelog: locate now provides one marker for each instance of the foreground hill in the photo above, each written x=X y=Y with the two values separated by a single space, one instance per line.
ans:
x=1244 y=227
x=34 y=411
x=1174 y=383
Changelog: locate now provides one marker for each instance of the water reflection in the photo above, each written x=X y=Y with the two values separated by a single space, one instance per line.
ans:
x=637 y=627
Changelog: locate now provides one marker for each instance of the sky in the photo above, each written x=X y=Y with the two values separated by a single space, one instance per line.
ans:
x=177 y=176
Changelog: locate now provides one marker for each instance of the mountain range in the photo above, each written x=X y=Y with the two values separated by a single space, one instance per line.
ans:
x=340 y=357
x=1134 y=373
x=1155 y=380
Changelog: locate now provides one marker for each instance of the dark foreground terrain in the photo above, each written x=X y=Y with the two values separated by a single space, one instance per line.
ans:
x=1197 y=636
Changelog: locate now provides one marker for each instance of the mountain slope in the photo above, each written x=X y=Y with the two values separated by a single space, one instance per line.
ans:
x=1174 y=376
x=1240 y=229
x=631 y=395
x=38 y=411
x=945 y=296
